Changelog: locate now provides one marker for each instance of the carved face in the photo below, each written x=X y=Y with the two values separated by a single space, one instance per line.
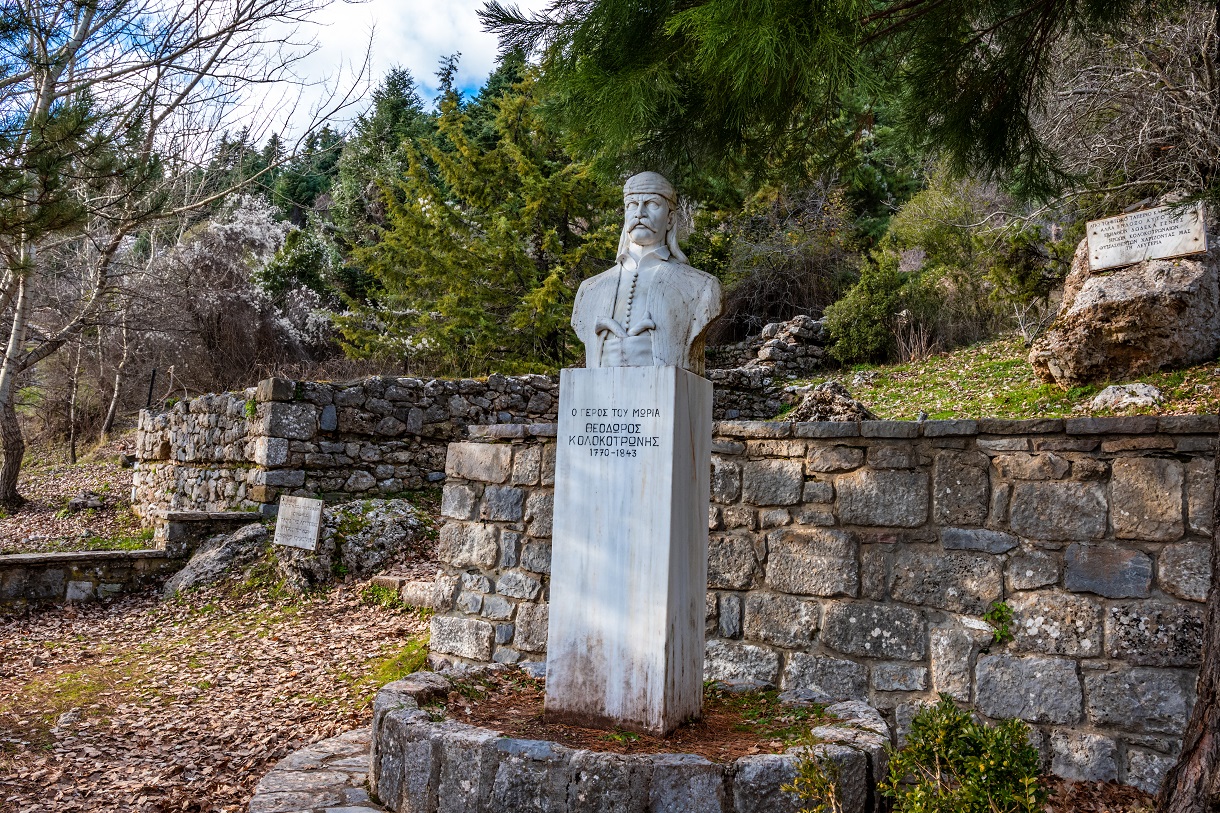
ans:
x=648 y=219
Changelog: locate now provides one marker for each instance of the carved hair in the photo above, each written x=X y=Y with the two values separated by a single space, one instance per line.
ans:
x=671 y=236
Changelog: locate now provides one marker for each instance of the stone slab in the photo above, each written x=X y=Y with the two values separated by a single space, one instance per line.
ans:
x=298 y=523
x=1151 y=234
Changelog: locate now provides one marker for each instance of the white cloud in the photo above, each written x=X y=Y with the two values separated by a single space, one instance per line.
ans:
x=414 y=34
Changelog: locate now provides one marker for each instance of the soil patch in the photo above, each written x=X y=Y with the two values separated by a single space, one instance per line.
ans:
x=732 y=726
x=1096 y=797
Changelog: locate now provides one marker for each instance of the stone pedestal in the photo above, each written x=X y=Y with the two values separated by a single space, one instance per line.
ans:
x=629 y=555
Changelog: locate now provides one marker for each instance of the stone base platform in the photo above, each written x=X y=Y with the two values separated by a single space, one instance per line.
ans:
x=327 y=777
x=421 y=764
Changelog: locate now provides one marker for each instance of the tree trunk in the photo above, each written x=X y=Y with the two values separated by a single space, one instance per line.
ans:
x=1190 y=786
x=11 y=441
x=112 y=411
x=72 y=406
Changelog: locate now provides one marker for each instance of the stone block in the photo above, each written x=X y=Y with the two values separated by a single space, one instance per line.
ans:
x=774 y=518
x=458 y=501
x=270 y=451
x=1037 y=690
x=1058 y=510
x=1029 y=570
x=1146 y=498
x=78 y=591
x=516 y=584
x=772 y=482
x=540 y=513
x=953 y=428
x=889 y=429
x=1082 y=757
x=887 y=498
x=275 y=389
x=952 y=661
x=468 y=762
x=1185 y=570
x=980 y=539
x=1022 y=466
x=1146 y=770
x=527 y=466
x=899 y=677
x=531 y=627
x=758 y=782
x=813 y=562
x=817 y=491
x=536 y=557
x=956 y=581
x=728 y=617
x=608 y=783
x=1155 y=633
x=1107 y=570
x=728 y=660
x=358 y=482
x=833 y=458
x=1141 y=700
x=726 y=480
x=875 y=631
x=752 y=429
x=1004 y=444
x=532 y=775
x=510 y=549
x=481 y=462
x=468 y=545
x=294 y=421
x=502 y=503
x=960 y=488
x=781 y=620
x=1034 y=426
x=826 y=429
x=463 y=637
x=469 y=603
x=731 y=563
x=875 y=573
x=1056 y=623
x=1199 y=495
x=893 y=457
x=682 y=782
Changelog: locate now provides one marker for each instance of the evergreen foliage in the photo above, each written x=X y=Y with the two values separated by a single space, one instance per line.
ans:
x=691 y=86
x=477 y=264
x=952 y=763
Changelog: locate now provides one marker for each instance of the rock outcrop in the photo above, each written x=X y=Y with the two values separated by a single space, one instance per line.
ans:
x=358 y=539
x=1130 y=321
x=829 y=401
x=219 y=556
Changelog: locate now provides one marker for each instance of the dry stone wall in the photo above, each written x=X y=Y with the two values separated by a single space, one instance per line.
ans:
x=859 y=560
x=241 y=451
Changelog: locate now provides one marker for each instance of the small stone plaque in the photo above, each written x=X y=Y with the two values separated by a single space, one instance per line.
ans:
x=1152 y=234
x=299 y=522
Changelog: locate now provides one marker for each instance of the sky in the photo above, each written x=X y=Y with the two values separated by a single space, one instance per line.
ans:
x=412 y=33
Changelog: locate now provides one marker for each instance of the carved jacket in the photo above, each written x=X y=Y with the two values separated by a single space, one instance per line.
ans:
x=670 y=310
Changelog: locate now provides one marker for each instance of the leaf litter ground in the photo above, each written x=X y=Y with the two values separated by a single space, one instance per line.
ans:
x=183 y=705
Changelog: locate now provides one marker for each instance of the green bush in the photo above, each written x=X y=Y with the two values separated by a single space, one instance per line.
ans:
x=861 y=322
x=954 y=764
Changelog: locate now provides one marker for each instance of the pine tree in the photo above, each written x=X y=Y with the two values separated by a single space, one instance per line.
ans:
x=481 y=256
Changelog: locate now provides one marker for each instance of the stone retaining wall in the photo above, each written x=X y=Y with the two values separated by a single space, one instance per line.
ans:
x=419 y=764
x=860 y=559
x=29 y=579
x=241 y=451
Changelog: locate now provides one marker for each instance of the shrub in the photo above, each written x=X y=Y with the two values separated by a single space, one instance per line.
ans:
x=954 y=764
x=861 y=322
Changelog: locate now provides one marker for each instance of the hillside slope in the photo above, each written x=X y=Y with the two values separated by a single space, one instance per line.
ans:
x=993 y=380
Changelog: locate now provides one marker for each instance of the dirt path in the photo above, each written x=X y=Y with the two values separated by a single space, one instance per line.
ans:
x=182 y=706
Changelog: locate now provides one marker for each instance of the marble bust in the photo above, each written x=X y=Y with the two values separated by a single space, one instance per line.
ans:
x=651 y=309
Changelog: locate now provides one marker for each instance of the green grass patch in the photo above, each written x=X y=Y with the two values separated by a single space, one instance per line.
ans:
x=411 y=658
x=993 y=379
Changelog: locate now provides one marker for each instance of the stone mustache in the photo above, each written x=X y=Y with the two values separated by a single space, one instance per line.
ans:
x=651 y=309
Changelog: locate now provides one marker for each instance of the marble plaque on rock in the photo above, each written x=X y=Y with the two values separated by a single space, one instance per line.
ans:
x=629 y=547
x=1152 y=234
x=299 y=522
